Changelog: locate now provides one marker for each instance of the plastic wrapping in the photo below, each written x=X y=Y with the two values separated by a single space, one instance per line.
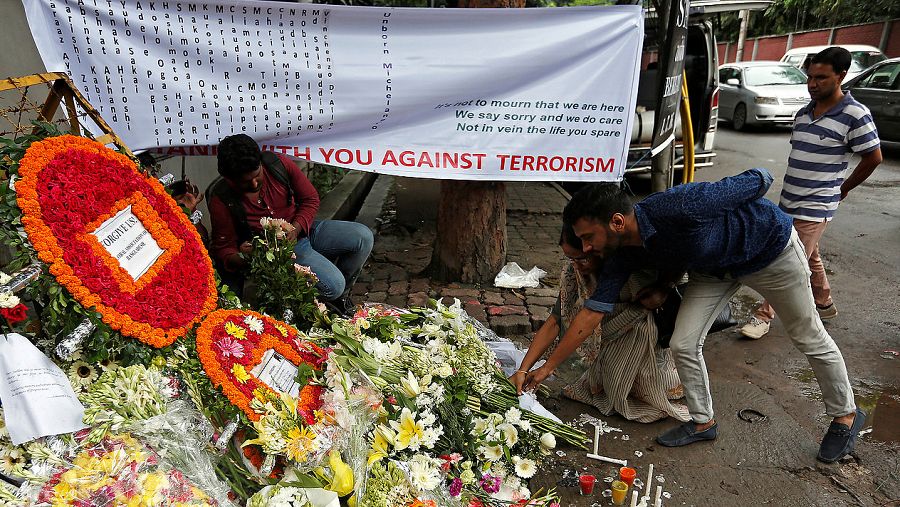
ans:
x=512 y=276
x=67 y=347
x=141 y=401
x=182 y=437
x=119 y=470
x=167 y=179
x=21 y=278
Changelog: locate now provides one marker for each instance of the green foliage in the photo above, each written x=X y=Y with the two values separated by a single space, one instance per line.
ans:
x=305 y=373
x=325 y=177
x=280 y=286
x=786 y=16
x=456 y=423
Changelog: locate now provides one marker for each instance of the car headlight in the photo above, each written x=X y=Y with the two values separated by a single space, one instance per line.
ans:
x=766 y=100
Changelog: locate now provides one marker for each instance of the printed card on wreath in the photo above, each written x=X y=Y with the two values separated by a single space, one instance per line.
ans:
x=115 y=239
x=243 y=351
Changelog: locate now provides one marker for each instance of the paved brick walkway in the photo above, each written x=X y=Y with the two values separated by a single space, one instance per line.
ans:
x=404 y=238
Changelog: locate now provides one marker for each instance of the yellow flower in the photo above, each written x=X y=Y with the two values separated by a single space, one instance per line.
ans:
x=281 y=329
x=240 y=373
x=235 y=330
x=410 y=385
x=408 y=430
x=300 y=443
x=342 y=482
x=384 y=438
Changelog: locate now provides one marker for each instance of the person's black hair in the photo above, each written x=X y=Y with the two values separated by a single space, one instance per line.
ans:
x=567 y=237
x=237 y=155
x=838 y=57
x=599 y=201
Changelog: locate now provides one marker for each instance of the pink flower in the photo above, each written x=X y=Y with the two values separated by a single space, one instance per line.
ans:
x=230 y=347
x=456 y=487
x=490 y=483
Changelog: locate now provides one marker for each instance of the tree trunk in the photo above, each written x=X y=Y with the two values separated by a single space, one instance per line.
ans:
x=471 y=232
x=471 y=224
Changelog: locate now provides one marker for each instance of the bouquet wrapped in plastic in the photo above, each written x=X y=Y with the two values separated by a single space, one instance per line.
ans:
x=119 y=470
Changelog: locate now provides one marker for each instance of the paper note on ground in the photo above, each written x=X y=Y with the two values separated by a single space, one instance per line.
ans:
x=37 y=397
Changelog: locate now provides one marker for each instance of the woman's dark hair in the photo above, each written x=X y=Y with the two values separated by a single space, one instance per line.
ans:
x=237 y=155
x=599 y=202
x=567 y=237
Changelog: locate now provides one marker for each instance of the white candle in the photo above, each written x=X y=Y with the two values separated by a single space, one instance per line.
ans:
x=658 y=500
x=596 y=438
x=649 y=481
x=623 y=462
x=658 y=503
x=634 y=497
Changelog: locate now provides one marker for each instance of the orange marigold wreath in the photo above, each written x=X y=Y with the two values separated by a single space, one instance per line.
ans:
x=231 y=343
x=69 y=185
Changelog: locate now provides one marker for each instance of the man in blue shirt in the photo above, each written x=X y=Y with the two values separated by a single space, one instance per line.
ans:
x=723 y=234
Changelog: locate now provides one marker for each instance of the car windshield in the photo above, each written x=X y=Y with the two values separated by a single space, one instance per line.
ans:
x=774 y=75
x=862 y=60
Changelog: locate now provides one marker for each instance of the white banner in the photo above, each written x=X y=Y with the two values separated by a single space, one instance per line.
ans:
x=475 y=94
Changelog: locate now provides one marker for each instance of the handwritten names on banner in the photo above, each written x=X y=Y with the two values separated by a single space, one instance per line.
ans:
x=468 y=94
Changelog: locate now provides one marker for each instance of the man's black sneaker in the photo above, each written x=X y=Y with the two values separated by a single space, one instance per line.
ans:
x=687 y=434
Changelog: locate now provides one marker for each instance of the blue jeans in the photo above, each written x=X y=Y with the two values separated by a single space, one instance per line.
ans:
x=335 y=251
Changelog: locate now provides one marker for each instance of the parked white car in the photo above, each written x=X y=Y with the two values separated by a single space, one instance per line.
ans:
x=862 y=57
x=761 y=92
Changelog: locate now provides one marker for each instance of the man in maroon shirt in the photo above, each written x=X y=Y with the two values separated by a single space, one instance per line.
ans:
x=256 y=185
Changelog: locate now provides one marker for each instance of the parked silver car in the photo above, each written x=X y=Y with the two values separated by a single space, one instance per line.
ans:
x=761 y=92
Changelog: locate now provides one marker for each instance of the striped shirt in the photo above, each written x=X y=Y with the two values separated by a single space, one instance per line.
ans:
x=820 y=152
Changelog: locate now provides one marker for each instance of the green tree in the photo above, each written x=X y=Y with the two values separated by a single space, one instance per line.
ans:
x=786 y=16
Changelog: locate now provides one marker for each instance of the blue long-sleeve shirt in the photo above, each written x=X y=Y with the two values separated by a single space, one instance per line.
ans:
x=720 y=228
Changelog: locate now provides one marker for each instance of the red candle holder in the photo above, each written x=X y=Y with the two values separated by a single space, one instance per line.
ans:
x=586 y=482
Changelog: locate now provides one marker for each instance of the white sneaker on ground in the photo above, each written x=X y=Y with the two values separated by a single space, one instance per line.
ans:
x=827 y=312
x=755 y=329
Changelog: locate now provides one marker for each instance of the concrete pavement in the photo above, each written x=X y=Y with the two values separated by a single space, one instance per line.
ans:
x=769 y=462
x=405 y=234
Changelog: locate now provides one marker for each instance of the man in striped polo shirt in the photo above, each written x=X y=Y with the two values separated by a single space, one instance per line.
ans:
x=826 y=133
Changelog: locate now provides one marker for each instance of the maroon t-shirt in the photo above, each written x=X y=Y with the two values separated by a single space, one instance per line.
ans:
x=273 y=203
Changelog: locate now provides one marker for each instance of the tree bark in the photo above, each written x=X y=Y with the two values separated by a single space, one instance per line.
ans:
x=471 y=224
x=471 y=232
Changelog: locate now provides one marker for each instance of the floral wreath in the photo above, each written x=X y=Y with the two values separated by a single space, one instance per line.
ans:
x=231 y=343
x=69 y=185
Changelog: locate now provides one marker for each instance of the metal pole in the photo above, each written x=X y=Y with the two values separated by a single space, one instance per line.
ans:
x=745 y=17
x=661 y=169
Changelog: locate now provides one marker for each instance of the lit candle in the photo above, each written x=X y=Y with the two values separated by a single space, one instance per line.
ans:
x=658 y=501
x=596 y=438
x=649 y=481
x=634 y=497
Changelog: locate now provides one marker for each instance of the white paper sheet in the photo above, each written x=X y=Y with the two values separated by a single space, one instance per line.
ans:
x=37 y=397
x=528 y=401
x=129 y=243
x=277 y=372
